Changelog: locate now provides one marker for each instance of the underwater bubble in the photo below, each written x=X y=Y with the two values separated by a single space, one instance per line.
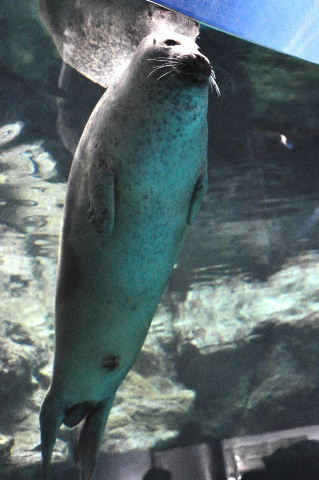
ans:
x=10 y=131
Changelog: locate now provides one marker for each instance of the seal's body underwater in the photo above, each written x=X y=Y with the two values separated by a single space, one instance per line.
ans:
x=138 y=178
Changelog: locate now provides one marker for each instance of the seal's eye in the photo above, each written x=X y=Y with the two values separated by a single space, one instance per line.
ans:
x=170 y=42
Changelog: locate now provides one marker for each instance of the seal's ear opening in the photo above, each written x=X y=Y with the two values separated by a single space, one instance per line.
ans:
x=154 y=41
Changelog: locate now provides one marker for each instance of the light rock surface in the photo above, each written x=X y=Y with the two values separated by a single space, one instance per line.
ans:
x=97 y=38
x=250 y=351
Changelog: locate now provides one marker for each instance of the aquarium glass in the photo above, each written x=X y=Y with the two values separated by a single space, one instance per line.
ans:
x=229 y=372
x=287 y=26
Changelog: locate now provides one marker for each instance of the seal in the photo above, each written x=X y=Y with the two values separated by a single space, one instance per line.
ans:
x=137 y=179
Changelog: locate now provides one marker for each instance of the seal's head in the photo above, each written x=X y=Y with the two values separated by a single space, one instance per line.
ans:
x=174 y=56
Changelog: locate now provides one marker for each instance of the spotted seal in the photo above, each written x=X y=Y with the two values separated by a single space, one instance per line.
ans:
x=137 y=179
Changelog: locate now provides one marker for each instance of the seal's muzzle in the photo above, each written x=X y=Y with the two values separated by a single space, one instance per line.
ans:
x=194 y=67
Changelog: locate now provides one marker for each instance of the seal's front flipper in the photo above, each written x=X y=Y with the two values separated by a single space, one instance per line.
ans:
x=91 y=436
x=101 y=180
x=199 y=193
x=51 y=417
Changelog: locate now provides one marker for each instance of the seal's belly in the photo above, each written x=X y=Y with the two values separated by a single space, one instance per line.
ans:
x=108 y=290
x=122 y=274
x=138 y=255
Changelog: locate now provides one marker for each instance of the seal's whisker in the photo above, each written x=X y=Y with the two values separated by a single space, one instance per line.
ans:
x=166 y=73
x=166 y=58
x=158 y=68
x=173 y=60
x=151 y=73
x=161 y=66
x=213 y=84
x=163 y=59
x=168 y=61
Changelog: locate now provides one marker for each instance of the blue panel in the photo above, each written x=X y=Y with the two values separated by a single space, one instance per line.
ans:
x=290 y=26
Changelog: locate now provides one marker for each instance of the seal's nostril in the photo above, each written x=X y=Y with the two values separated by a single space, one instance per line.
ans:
x=170 y=42
x=195 y=67
x=201 y=60
x=203 y=64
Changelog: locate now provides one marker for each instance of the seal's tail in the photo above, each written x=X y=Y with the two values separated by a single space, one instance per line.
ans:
x=51 y=417
x=90 y=438
x=53 y=414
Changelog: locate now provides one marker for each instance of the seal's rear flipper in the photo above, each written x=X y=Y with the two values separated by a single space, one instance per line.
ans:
x=51 y=417
x=91 y=436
